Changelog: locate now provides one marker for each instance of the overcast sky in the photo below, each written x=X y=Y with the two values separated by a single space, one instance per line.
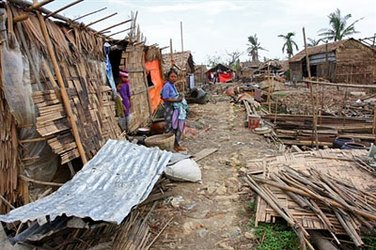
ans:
x=215 y=28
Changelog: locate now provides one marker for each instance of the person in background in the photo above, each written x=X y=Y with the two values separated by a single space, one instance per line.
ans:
x=175 y=109
x=125 y=94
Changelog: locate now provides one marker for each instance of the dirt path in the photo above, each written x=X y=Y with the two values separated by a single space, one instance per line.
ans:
x=215 y=213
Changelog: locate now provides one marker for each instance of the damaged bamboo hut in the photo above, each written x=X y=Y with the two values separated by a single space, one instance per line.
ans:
x=144 y=64
x=57 y=101
x=200 y=76
x=183 y=63
x=247 y=70
x=346 y=61
x=220 y=73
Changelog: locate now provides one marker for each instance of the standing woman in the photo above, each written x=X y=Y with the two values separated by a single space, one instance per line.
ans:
x=125 y=93
x=175 y=108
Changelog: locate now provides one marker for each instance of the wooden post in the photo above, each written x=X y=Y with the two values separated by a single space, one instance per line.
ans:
x=269 y=91
x=181 y=36
x=34 y=6
x=64 y=94
x=171 y=56
x=314 y=118
x=374 y=123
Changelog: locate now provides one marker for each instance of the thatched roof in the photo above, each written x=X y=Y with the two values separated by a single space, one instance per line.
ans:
x=201 y=68
x=181 y=60
x=323 y=48
x=220 y=67
x=318 y=50
x=251 y=65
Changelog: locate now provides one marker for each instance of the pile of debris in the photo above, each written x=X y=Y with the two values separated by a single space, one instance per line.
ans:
x=328 y=100
x=339 y=114
x=330 y=190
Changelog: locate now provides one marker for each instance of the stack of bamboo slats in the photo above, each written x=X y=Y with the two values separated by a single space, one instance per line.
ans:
x=323 y=190
x=94 y=117
x=297 y=129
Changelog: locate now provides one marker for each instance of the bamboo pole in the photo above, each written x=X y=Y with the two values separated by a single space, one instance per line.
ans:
x=284 y=213
x=119 y=32
x=88 y=14
x=314 y=132
x=64 y=94
x=34 y=6
x=25 y=178
x=63 y=8
x=171 y=57
x=374 y=123
x=349 y=230
x=360 y=86
x=181 y=36
x=127 y=21
x=308 y=193
x=269 y=91
x=160 y=232
x=100 y=20
x=6 y=202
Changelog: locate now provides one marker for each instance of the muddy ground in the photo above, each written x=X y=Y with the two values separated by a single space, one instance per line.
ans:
x=214 y=214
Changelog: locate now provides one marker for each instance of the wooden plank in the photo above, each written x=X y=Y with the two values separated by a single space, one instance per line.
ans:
x=304 y=143
x=204 y=153
x=48 y=118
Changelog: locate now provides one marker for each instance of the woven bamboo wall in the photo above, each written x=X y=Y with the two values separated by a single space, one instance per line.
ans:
x=133 y=59
x=355 y=63
x=326 y=70
x=9 y=160
x=80 y=57
x=296 y=71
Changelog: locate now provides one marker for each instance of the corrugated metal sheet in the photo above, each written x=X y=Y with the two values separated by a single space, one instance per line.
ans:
x=321 y=58
x=120 y=176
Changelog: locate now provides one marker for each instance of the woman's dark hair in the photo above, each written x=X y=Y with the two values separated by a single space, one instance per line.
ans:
x=172 y=70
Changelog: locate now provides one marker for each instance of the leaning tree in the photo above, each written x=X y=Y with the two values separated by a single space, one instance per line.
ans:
x=338 y=27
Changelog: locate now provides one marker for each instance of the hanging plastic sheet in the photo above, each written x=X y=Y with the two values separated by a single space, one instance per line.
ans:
x=110 y=77
x=17 y=87
x=19 y=69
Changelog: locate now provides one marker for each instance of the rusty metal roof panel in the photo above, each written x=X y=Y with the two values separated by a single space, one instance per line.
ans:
x=120 y=176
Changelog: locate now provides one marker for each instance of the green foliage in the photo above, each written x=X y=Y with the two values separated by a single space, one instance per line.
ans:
x=288 y=74
x=338 y=26
x=276 y=237
x=279 y=94
x=254 y=47
x=289 y=44
x=252 y=205
x=370 y=242
x=313 y=42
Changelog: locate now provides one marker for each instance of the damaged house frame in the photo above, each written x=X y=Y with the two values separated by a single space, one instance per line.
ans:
x=56 y=101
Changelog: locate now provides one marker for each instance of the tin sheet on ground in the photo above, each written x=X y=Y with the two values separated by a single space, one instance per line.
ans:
x=120 y=176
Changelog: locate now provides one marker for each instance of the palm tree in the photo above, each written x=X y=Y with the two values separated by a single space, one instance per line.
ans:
x=289 y=44
x=254 y=47
x=313 y=42
x=338 y=26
